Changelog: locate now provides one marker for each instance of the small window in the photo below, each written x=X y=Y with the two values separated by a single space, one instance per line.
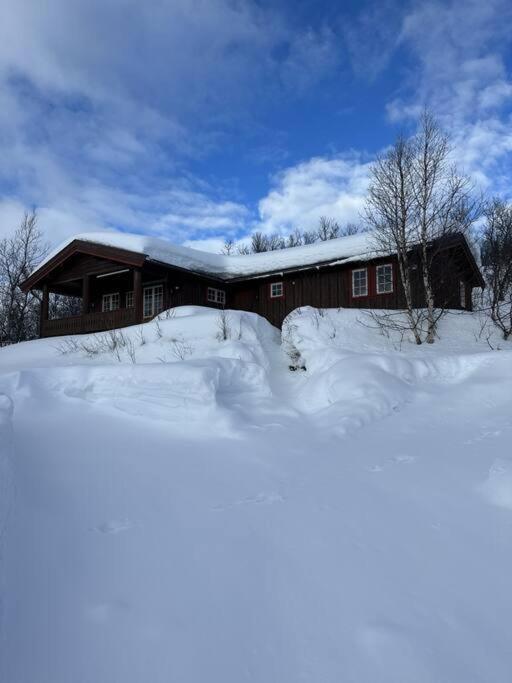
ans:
x=360 y=282
x=153 y=300
x=110 y=302
x=216 y=296
x=385 y=279
x=462 y=292
x=276 y=290
x=129 y=300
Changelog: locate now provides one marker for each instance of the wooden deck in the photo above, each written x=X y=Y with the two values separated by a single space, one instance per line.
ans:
x=90 y=322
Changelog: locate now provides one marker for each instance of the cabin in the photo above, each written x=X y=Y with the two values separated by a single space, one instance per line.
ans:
x=124 y=279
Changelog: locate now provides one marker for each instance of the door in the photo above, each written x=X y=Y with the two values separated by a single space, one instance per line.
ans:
x=153 y=300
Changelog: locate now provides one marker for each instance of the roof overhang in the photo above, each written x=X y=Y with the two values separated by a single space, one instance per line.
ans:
x=137 y=259
x=129 y=258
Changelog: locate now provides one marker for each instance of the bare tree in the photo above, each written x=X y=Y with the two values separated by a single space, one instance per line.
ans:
x=328 y=229
x=309 y=236
x=350 y=229
x=417 y=199
x=19 y=255
x=497 y=264
x=444 y=204
x=295 y=239
x=389 y=213
x=258 y=243
x=275 y=242
x=229 y=247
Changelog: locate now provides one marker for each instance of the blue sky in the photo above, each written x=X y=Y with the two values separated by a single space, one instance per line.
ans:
x=198 y=120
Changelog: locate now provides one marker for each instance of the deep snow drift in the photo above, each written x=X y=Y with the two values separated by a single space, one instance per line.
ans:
x=177 y=505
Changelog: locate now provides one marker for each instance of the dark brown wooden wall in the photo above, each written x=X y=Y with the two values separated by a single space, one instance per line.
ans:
x=329 y=287
x=324 y=287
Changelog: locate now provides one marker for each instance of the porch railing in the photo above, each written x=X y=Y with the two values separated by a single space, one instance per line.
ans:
x=89 y=322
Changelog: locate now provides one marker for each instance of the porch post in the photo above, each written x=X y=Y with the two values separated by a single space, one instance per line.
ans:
x=86 y=294
x=44 y=309
x=137 y=294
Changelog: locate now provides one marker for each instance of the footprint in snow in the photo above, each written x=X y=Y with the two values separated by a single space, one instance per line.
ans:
x=114 y=526
x=400 y=459
x=260 y=499
x=487 y=434
x=403 y=459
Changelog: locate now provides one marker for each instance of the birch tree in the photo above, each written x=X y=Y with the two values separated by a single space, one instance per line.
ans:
x=389 y=214
x=497 y=264
x=444 y=204
x=417 y=199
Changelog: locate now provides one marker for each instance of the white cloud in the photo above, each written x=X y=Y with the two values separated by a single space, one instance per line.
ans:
x=92 y=207
x=461 y=75
x=323 y=186
x=102 y=106
x=11 y=213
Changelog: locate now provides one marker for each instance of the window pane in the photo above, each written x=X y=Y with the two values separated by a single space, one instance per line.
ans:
x=110 y=302
x=384 y=279
x=148 y=302
x=276 y=289
x=216 y=296
x=158 y=299
x=359 y=283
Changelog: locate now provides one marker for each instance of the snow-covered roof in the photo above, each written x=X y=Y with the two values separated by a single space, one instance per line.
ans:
x=353 y=248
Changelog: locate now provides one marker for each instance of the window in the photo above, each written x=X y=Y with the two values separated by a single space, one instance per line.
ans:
x=153 y=300
x=110 y=302
x=462 y=292
x=216 y=296
x=360 y=282
x=385 y=279
x=129 y=300
x=276 y=290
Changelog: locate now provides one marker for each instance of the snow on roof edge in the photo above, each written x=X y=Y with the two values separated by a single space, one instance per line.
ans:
x=331 y=252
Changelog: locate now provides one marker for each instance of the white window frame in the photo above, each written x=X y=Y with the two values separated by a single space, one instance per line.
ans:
x=462 y=293
x=377 y=284
x=129 y=301
x=107 y=302
x=216 y=296
x=154 y=309
x=365 y=293
x=276 y=294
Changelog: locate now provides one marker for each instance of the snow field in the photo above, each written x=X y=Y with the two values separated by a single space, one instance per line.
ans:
x=204 y=514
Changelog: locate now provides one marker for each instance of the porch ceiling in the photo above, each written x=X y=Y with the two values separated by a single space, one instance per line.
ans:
x=118 y=257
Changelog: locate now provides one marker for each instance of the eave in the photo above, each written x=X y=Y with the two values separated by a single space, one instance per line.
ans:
x=123 y=256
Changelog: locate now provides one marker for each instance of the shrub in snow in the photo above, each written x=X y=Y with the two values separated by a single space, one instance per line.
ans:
x=224 y=332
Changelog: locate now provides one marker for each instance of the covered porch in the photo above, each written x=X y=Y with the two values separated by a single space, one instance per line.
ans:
x=110 y=293
x=110 y=299
x=109 y=287
x=87 y=322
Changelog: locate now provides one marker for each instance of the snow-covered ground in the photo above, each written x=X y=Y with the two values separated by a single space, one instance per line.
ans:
x=177 y=506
